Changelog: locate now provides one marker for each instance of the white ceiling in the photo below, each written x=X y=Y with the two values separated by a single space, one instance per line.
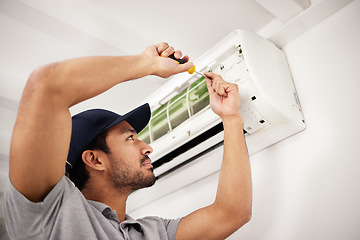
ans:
x=36 y=32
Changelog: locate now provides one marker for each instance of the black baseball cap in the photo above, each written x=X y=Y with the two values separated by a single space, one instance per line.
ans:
x=87 y=125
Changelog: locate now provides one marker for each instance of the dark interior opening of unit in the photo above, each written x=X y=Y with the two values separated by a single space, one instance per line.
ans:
x=187 y=146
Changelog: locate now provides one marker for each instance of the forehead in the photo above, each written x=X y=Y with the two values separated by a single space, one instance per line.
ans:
x=121 y=128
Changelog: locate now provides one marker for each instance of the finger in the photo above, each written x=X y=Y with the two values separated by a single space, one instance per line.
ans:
x=161 y=47
x=223 y=90
x=177 y=54
x=168 y=51
x=221 y=87
x=216 y=83
x=186 y=58
x=211 y=75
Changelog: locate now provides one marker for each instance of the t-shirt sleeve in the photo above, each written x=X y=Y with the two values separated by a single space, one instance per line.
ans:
x=171 y=226
x=27 y=220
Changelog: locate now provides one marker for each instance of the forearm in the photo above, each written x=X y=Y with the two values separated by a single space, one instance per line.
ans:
x=232 y=206
x=234 y=195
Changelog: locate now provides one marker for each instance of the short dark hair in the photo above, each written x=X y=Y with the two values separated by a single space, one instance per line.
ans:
x=78 y=174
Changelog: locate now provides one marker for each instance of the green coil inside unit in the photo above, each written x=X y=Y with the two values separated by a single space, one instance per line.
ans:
x=144 y=135
x=181 y=107
x=178 y=109
x=159 y=123
x=198 y=96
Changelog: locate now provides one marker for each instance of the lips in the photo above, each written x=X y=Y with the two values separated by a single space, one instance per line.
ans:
x=147 y=163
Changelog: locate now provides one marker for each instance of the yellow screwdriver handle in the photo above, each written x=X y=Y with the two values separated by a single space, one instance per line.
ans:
x=191 y=70
x=180 y=61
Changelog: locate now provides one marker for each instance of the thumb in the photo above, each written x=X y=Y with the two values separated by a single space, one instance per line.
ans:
x=184 y=67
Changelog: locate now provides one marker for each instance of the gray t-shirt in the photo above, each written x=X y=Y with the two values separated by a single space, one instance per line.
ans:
x=66 y=214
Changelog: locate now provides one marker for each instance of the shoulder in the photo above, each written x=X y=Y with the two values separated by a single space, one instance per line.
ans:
x=24 y=218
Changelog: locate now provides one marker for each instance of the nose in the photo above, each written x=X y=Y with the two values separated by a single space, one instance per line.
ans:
x=146 y=149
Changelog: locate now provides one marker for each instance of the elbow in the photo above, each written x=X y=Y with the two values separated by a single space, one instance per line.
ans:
x=243 y=217
x=237 y=217
x=242 y=214
x=42 y=88
x=247 y=216
x=42 y=75
x=41 y=82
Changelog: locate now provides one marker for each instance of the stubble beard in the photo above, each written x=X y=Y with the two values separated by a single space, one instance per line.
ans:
x=126 y=179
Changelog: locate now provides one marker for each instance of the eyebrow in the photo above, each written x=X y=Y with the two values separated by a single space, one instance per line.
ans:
x=127 y=130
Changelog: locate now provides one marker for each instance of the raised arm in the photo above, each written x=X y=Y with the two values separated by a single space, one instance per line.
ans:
x=233 y=204
x=42 y=131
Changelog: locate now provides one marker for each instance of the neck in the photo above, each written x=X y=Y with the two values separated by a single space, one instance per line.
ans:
x=114 y=198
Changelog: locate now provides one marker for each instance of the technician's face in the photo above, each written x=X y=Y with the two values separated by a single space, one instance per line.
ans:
x=131 y=167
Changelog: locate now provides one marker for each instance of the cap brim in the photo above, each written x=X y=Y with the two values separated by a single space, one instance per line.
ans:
x=138 y=118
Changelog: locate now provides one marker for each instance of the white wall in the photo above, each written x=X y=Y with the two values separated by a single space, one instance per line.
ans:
x=307 y=186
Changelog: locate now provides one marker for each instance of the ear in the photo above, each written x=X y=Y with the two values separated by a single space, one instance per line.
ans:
x=93 y=159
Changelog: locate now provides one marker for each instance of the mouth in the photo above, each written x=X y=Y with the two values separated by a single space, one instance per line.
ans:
x=147 y=163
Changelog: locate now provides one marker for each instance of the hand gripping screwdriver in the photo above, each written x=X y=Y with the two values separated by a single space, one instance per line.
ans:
x=180 y=61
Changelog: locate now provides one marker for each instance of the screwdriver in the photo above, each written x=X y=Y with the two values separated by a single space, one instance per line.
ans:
x=180 y=61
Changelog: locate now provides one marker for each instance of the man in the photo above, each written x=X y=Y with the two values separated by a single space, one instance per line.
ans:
x=40 y=203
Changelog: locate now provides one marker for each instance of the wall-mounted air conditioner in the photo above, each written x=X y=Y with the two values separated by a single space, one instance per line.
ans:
x=183 y=129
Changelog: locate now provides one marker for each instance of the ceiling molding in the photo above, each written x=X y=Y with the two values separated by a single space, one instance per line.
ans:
x=283 y=33
x=284 y=10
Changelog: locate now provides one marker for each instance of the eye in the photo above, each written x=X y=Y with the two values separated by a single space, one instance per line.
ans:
x=131 y=137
